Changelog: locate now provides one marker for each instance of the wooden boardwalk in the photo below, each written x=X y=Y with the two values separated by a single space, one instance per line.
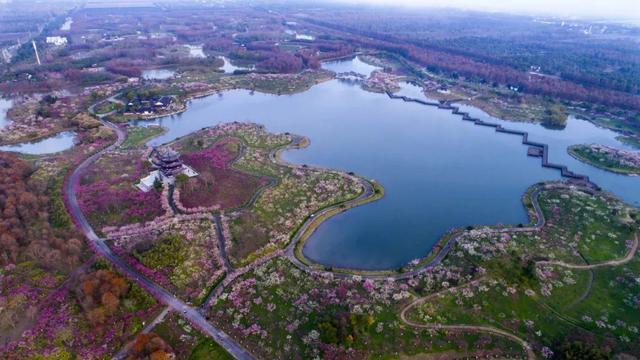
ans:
x=544 y=148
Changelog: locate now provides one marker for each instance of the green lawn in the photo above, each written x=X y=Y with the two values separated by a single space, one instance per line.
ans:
x=585 y=154
x=207 y=349
x=137 y=136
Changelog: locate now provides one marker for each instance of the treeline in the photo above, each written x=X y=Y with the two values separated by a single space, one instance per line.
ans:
x=459 y=65
x=272 y=59
x=600 y=65
x=269 y=57
x=26 y=232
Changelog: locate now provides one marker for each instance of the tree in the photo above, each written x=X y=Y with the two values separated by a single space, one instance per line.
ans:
x=157 y=184
x=556 y=116
x=181 y=179
x=110 y=302
x=26 y=231
x=99 y=294
x=150 y=346
x=578 y=350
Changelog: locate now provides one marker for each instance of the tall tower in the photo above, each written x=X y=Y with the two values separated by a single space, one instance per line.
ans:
x=35 y=49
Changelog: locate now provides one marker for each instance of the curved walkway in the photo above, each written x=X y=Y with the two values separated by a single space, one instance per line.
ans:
x=101 y=248
x=488 y=329
x=544 y=148
x=615 y=262
x=448 y=246
x=462 y=328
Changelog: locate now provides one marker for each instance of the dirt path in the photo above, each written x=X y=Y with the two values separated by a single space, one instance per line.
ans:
x=495 y=331
x=462 y=328
x=587 y=291
x=615 y=262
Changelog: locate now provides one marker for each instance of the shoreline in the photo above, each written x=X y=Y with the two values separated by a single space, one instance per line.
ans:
x=543 y=147
x=433 y=258
x=471 y=101
x=294 y=250
x=571 y=150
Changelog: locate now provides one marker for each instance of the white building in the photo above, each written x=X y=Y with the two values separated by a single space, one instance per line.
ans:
x=167 y=166
x=147 y=182
x=57 y=40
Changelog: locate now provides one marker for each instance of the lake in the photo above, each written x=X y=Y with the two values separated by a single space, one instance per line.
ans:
x=229 y=68
x=439 y=172
x=53 y=144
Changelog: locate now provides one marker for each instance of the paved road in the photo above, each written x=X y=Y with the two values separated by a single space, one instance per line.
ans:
x=161 y=295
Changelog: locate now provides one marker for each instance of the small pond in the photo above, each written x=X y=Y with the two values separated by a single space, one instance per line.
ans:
x=49 y=145
x=229 y=68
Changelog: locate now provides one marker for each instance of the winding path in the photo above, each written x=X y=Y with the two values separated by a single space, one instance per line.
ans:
x=464 y=328
x=101 y=248
x=195 y=316
x=488 y=329
x=615 y=262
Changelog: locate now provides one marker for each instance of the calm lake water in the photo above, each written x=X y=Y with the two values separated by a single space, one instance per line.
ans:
x=53 y=144
x=157 y=74
x=439 y=172
x=229 y=68
x=5 y=105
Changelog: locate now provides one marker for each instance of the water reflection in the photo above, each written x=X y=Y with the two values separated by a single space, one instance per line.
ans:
x=59 y=142
x=439 y=172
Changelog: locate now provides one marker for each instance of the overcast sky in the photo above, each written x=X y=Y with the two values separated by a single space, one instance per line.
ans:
x=611 y=9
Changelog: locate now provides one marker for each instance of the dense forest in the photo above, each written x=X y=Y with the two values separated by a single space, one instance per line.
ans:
x=598 y=55
x=554 y=60
x=27 y=231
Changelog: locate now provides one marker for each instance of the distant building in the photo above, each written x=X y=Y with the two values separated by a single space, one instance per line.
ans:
x=56 y=40
x=149 y=105
x=167 y=165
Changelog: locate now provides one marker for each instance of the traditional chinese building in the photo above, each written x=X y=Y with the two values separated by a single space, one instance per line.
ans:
x=166 y=161
x=167 y=165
